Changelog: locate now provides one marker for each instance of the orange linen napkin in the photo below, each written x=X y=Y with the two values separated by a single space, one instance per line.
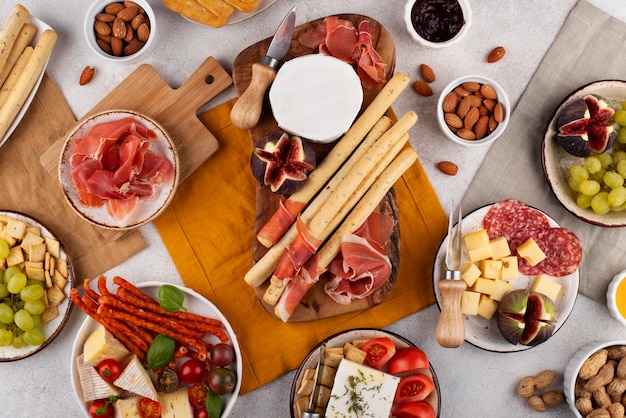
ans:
x=209 y=232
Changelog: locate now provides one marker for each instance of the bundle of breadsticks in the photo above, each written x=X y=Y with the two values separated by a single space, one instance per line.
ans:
x=210 y=12
x=21 y=64
x=343 y=190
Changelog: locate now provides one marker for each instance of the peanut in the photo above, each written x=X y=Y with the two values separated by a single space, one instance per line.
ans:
x=592 y=365
x=537 y=403
x=616 y=410
x=584 y=406
x=544 y=379
x=602 y=378
x=616 y=387
x=616 y=352
x=553 y=398
x=601 y=398
x=526 y=387
x=620 y=370
x=599 y=413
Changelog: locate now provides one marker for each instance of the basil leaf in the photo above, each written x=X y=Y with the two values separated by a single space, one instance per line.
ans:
x=161 y=351
x=171 y=298
x=213 y=404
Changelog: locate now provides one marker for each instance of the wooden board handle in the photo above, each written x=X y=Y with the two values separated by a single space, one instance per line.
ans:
x=247 y=110
x=450 y=330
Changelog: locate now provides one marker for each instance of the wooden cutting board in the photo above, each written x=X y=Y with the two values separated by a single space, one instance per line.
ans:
x=316 y=304
x=145 y=91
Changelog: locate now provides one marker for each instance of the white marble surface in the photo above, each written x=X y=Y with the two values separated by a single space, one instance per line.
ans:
x=474 y=382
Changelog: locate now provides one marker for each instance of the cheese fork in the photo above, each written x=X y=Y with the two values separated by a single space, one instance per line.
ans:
x=450 y=331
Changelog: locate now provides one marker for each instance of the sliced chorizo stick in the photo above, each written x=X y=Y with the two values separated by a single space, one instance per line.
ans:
x=89 y=291
x=102 y=285
x=125 y=284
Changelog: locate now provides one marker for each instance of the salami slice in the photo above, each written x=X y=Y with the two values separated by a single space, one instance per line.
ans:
x=563 y=251
x=497 y=216
x=514 y=220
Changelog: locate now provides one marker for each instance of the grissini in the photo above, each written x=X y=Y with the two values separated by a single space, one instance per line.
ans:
x=15 y=73
x=26 y=36
x=11 y=31
x=27 y=80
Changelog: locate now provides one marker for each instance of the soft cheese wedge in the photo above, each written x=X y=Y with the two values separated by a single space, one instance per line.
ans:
x=92 y=385
x=100 y=345
x=136 y=379
x=372 y=389
x=127 y=408
x=176 y=404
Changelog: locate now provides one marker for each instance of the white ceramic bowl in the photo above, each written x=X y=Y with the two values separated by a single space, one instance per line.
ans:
x=611 y=297
x=148 y=208
x=97 y=7
x=573 y=367
x=467 y=18
x=502 y=98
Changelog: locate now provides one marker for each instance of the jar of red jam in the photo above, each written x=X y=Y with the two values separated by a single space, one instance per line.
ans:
x=437 y=23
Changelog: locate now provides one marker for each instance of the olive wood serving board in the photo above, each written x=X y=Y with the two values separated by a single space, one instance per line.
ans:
x=316 y=304
x=145 y=91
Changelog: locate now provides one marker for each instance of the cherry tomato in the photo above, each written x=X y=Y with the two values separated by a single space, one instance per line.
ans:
x=222 y=381
x=149 y=408
x=167 y=381
x=413 y=388
x=408 y=360
x=101 y=408
x=197 y=394
x=222 y=354
x=201 y=413
x=379 y=351
x=109 y=369
x=418 y=409
x=192 y=371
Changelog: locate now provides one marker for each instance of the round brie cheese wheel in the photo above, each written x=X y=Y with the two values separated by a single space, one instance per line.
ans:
x=316 y=97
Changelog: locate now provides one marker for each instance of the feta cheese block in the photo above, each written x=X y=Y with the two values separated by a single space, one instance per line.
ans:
x=93 y=386
x=127 y=408
x=372 y=389
x=101 y=344
x=176 y=404
x=136 y=379
x=316 y=97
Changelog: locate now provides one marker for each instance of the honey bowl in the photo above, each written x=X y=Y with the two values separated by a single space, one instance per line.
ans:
x=616 y=297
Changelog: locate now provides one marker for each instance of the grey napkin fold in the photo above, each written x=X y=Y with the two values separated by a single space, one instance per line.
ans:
x=587 y=49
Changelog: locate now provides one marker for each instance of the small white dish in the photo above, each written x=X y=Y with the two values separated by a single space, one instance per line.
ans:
x=413 y=32
x=616 y=297
x=502 y=98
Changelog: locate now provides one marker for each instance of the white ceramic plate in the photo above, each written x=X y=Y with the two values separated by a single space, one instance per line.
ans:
x=194 y=302
x=54 y=327
x=146 y=210
x=338 y=340
x=557 y=162
x=485 y=333
x=41 y=27
x=238 y=16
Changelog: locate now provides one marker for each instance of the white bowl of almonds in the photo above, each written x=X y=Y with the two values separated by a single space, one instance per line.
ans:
x=473 y=110
x=120 y=30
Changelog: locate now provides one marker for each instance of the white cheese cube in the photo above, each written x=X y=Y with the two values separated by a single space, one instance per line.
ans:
x=101 y=344
x=176 y=404
x=136 y=379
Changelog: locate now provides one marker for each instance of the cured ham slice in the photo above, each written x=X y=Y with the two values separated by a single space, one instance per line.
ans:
x=295 y=290
x=287 y=212
x=298 y=253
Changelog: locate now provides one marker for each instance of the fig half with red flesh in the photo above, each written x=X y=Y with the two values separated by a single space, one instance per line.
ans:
x=526 y=318
x=585 y=126
x=282 y=162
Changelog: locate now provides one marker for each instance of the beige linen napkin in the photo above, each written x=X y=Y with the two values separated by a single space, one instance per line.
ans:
x=586 y=49
x=25 y=186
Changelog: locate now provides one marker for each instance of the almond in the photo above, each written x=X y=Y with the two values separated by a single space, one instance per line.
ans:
x=471 y=118
x=466 y=134
x=86 y=75
x=488 y=92
x=128 y=13
x=462 y=91
x=496 y=54
x=113 y=8
x=104 y=45
x=498 y=113
x=427 y=73
x=102 y=28
x=450 y=102
x=448 y=167
x=117 y=46
x=489 y=104
x=453 y=120
x=105 y=17
x=471 y=86
x=481 y=126
x=137 y=20
x=134 y=46
x=119 y=28
x=464 y=107
x=493 y=123
x=143 y=32
x=422 y=88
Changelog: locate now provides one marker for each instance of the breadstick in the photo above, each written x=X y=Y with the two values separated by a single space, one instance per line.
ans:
x=23 y=40
x=15 y=74
x=27 y=80
x=11 y=30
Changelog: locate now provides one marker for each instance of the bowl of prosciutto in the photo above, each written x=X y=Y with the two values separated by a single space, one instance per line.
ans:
x=119 y=169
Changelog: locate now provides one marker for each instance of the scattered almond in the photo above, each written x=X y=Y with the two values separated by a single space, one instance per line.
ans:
x=496 y=54
x=422 y=88
x=427 y=73
x=448 y=167
x=86 y=75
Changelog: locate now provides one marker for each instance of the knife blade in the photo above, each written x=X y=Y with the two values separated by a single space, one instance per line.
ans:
x=246 y=112
x=310 y=413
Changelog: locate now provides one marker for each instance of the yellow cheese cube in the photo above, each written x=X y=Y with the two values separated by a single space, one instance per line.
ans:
x=509 y=268
x=484 y=286
x=487 y=307
x=491 y=269
x=476 y=239
x=469 y=302
x=500 y=287
x=546 y=287
x=469 y=273
x=480 y=253
x=499 y=248
x=531 y=252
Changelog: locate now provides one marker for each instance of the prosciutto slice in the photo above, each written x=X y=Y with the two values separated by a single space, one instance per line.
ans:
x=287 y=212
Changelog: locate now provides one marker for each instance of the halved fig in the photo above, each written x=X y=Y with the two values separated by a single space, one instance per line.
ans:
x=526 y=318
x=585 y=126
x=282 y=162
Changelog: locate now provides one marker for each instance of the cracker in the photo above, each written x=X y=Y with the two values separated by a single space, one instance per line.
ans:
x=193 y=10
x=218 y=7
x=244 y=6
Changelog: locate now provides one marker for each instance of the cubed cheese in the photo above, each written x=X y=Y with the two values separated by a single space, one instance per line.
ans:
x=546 y=287
x=469 y=302
x=476 y=239
x=176 y=404
x=509 y=268
x=500 y=287
x=480 y=253
x=531 y=252
x=484 y=286
x=469 y=273
x=487 y=307
x=101 y=344
x=127 y=408
x=499 y=248
x=491 y=269
x=371 y=388
x=92 y=385
x=136 y=379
